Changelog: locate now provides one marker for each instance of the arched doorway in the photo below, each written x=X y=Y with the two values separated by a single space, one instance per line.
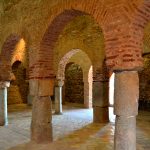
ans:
x=69 y=60
x=74 y=85
x=18 y=90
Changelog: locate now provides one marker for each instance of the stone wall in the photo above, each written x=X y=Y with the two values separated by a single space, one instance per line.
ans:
x=144 y=77
x=18 y=90
x=74 y=86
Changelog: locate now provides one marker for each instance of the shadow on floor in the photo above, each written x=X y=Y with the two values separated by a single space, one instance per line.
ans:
x=91 y=137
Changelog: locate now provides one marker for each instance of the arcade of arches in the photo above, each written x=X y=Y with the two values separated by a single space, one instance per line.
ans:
x=91 y=53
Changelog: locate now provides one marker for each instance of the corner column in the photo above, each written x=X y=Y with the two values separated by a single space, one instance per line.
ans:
x=126 y=95
x=3 y=103
x=100 y=101
x=41 y=125
x=58 y=97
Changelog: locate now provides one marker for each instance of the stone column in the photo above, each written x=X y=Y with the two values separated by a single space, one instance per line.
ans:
x=100 y=101
x=3 y=103
x=126 y=95
x=58 y=97
x=41 y=125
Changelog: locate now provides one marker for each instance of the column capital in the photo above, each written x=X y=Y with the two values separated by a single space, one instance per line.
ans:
x=4 y=84
x=59 y=83
x=41 y=87
x=124 y=71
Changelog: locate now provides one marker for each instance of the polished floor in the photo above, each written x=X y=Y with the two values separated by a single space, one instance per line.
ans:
x=73 y=130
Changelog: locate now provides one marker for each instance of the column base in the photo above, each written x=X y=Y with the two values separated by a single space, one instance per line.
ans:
x=101 y=114
x=42 y=133
x=3 y=122
x=58 y=113
x=3 y=107
x=125 y=133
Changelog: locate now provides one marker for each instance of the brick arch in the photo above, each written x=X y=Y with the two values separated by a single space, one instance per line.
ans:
x=123 y=50
x=6 y=56
x=87 y=74
x=62 y=15
x=9 y=46
x=127 y=44
x=142 y=17
x=63 y=62
x=140 y=21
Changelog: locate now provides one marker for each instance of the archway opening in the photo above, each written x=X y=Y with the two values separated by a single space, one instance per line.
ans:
x=76 y=90
x=71 y=58
x=74 y=85
x=14 y=65
x=18 y=90
x=84 y=45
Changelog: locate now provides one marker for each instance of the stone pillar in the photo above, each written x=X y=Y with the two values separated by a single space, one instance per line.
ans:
x=126 y=95
x=58 y=97
x=3 y=103
x=41 y=125
x=100 y=101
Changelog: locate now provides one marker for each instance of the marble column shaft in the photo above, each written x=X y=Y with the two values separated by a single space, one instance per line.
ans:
x=3 y=103
x=58 y=96
x=58 y=100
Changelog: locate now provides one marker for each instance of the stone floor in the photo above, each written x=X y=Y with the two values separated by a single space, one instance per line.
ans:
x=73 y=130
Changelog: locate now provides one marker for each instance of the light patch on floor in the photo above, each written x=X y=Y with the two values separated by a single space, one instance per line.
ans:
x=73 y=130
